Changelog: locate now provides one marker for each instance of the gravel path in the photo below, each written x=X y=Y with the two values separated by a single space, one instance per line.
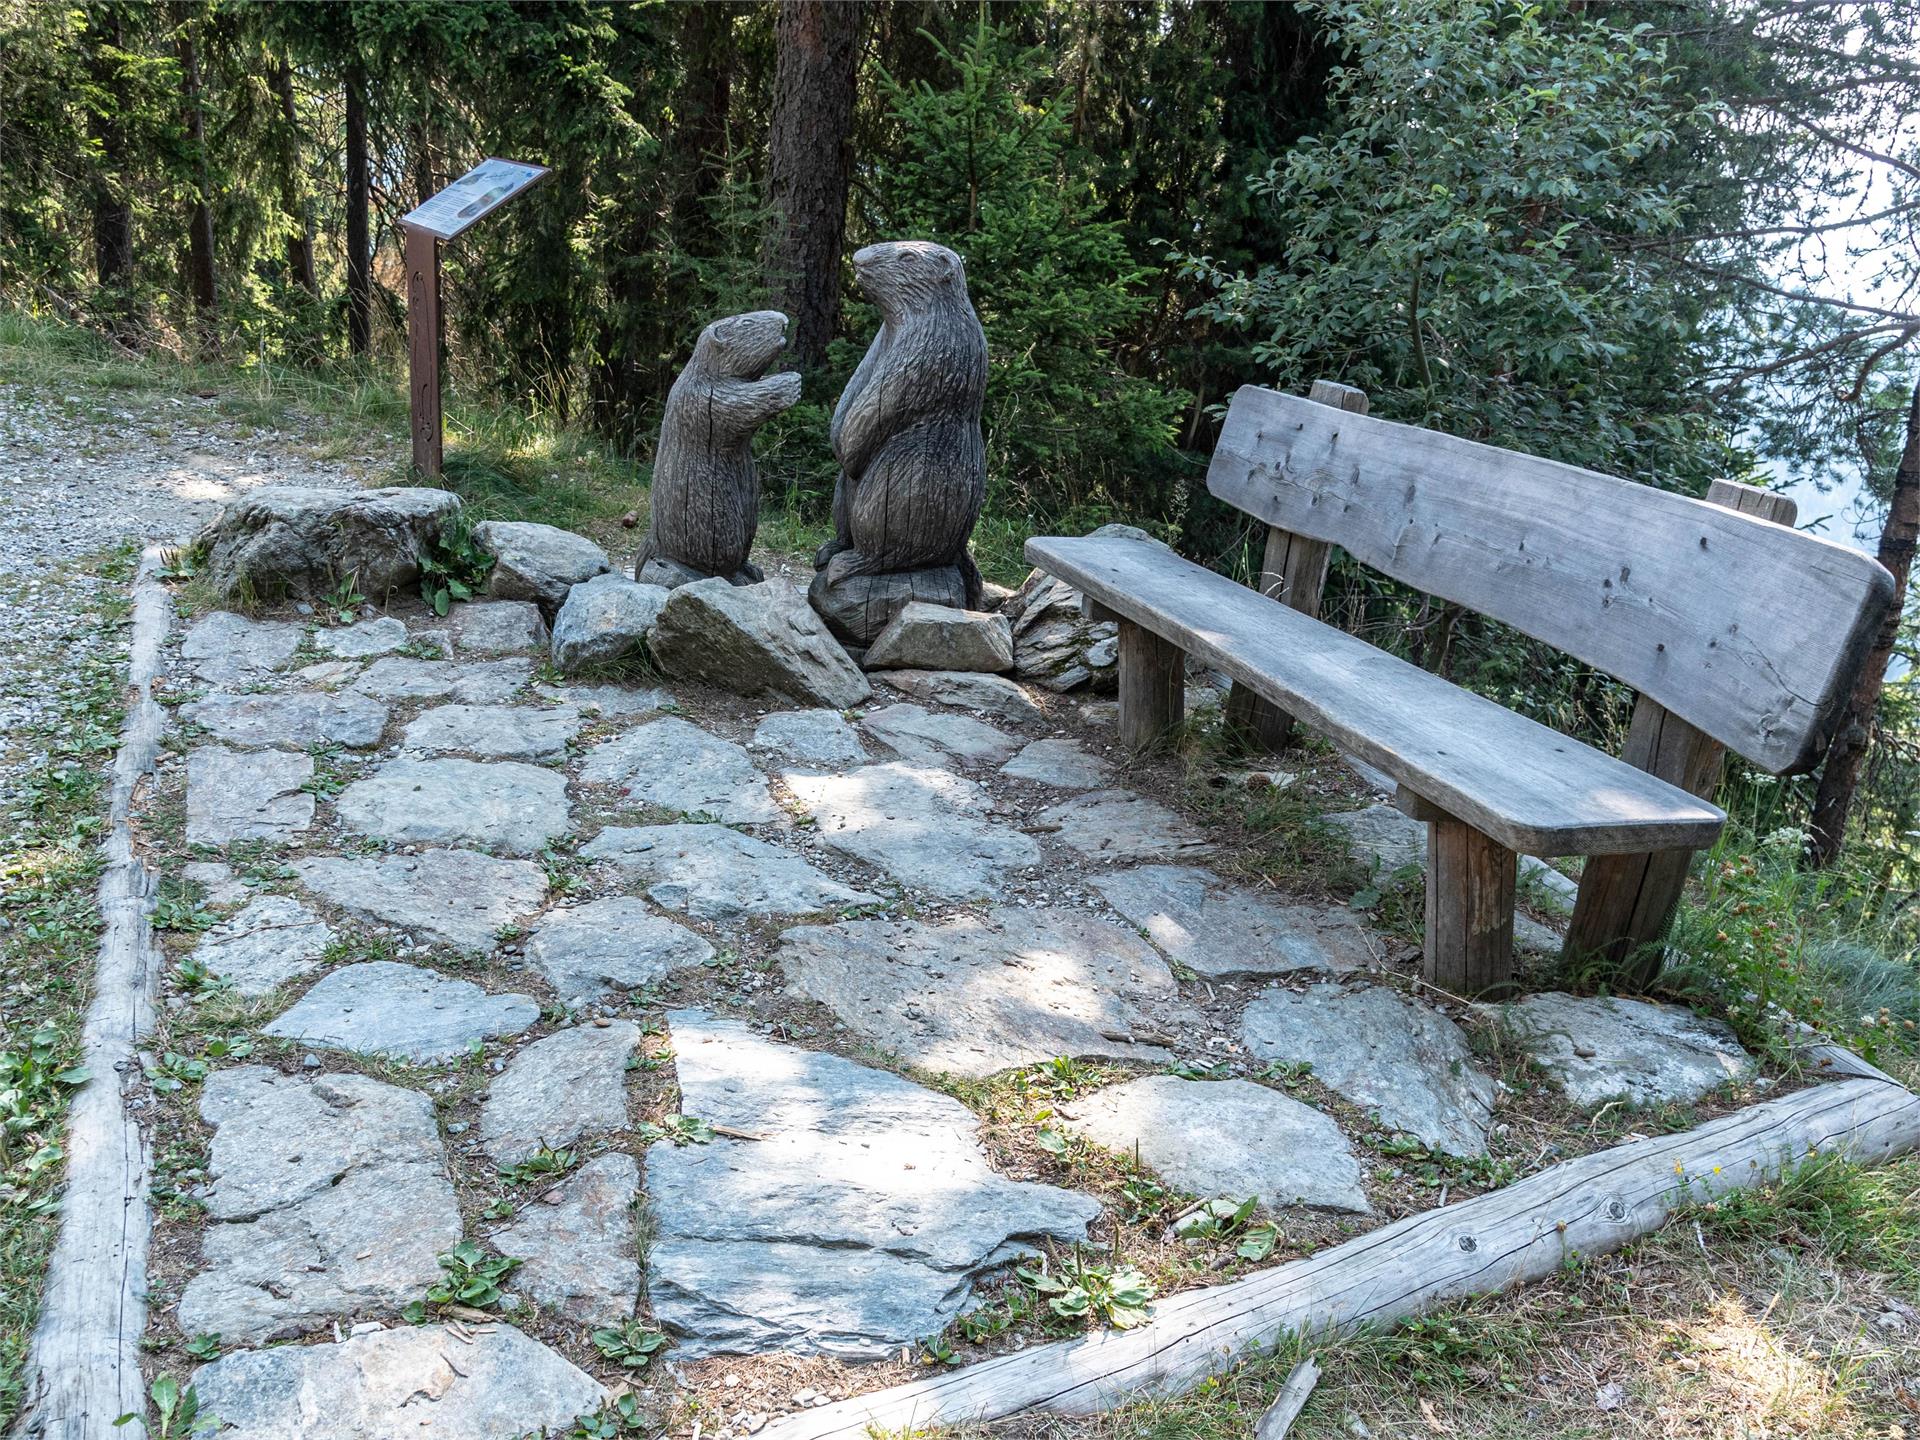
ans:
x=82 y=474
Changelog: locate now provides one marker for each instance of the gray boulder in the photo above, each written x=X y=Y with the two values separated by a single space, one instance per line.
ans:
x=294 y=540
x=1600 y=1048
x=537 y=562
x=604 y=620
x=578 y=1244
x=572 y=1083
x=497 y=627
x=755 y=639
x=932 y=637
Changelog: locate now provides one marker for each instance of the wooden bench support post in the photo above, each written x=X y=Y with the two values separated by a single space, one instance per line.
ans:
x=1626 y=902
x=1153 y=686
x=1470 y=883
x=1293 y=570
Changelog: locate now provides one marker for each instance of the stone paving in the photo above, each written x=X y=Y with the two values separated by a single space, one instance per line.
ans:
x=461 y=899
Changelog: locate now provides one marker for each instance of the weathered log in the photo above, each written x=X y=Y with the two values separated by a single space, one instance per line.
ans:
x=84 y=1365
x=1489 y=1243
x=1286 y=1406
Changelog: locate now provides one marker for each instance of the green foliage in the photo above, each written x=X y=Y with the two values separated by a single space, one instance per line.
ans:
x=1087 y=1291
x=982 y=165
x=677 y=1130
x=469 y=1276
x=176 y=1412
x=454 y=566
x=1461 y=241
x=543 y=1164
x=631 y=1345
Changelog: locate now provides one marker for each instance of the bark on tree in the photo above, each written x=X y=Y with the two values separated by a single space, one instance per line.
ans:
x=1827 y=829
x=359 y=251
x=299 y=217
x=700 y=141
x=809 y=163
x=200 y=276
x=112 y=211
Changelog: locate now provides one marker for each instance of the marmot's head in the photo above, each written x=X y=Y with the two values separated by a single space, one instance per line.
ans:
x=741 y=346
x=901 y=276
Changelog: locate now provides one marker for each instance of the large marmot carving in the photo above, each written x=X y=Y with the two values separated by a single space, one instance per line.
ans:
x=913 y=465
x=706 y=491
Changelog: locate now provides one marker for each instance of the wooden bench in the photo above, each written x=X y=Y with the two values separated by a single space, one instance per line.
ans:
x=1736 y=630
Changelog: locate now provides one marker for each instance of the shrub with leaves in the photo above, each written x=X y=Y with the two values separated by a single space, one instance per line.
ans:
x=1090 y=1292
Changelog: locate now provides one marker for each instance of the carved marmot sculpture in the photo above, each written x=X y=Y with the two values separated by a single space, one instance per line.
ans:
x=913 y=465
x=706 y=491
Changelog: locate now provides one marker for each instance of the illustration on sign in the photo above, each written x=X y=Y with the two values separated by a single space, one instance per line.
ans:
x=479 y=192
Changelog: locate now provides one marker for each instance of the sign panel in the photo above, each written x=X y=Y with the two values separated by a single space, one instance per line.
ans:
x=473 y=197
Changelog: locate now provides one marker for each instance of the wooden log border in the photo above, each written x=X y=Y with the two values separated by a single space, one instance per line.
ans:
x=83 y=1370
x=1489 y=1243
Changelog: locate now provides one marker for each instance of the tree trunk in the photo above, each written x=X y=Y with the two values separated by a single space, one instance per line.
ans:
x=700 y=143
x=200 y=221
x=112 y=211
x=808 y=165
x=359 y=252
x=1827 y=830
x=300 y=218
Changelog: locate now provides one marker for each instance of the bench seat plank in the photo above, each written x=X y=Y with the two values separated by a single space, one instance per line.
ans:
x=1532 y=789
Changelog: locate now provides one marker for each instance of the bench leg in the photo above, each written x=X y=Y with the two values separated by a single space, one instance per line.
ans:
x=1153 y=686
x=1625 y=905
x=1256 y=723
x=1470 y=882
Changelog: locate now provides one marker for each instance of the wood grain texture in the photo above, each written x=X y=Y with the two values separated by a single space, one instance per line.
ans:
x=1278 y=1417
x=1469 y=914
x=1533 y=790
x=1489 y=1243
x=704 y=504
x=423 y=348
x=1752 y=500
x=1293 y=570
x=1153 y=686
x=1749 y=631
x=83 y=1370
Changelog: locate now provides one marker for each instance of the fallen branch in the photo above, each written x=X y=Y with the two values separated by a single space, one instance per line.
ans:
x=1286 y=1406
x=84 y=1367
x=1491 y=1242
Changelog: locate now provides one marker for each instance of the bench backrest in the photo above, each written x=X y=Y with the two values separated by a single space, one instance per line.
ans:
x=1750 y=631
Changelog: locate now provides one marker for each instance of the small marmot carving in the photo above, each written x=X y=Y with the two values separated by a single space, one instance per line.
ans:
x=706 y=490
x=913 y=464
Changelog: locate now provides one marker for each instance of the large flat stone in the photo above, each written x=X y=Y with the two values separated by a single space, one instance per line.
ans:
x=856 y=1225
x=933 y=637
x=328 y=1197
x=363 y=639
x=589 y=951
x=539 y=563
x=928 y=737
x=489 y=1382
x=498 y=627
x=678 y=766
x=580 y=1252
x=1380 y=1051
x=604 y=621
x=610 y=700
x=571 y=1084
x=499 y=732
x=403 y=1012
x=712 y=873
x=810 y=737
x=1059 y=763
x=1119 y=825
x=273 y=940
x=470 y=682
x=229 y=649
x=993 y=695
x=1228 y=1138
x=292 y=721
x=1598 y=1048
x=978 y=994
x=455 y=896
x=1214 y=929
x=506 y=805
x=755 y=639
x=925 y=827
x=246 y=795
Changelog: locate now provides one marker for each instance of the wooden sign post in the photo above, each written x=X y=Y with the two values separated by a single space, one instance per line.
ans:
x=446 y=216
